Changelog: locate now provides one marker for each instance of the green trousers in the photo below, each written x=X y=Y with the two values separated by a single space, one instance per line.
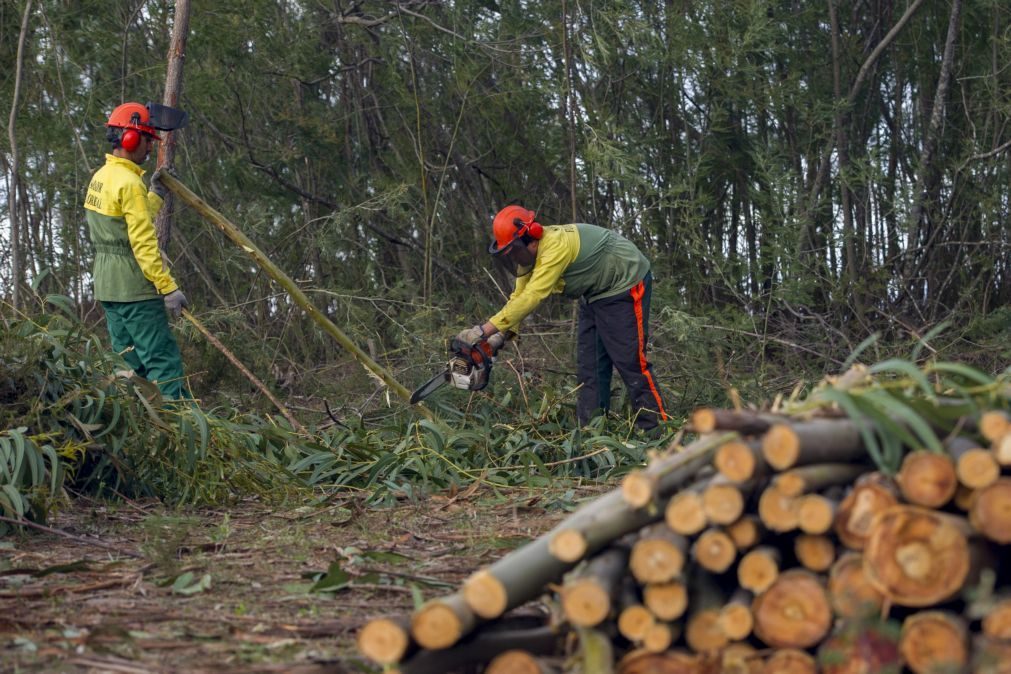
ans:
x=155 y=355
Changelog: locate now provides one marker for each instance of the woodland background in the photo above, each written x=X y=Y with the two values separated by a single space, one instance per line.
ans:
x=807 y=177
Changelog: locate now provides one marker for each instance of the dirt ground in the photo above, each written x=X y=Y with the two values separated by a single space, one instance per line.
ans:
x=136 y=587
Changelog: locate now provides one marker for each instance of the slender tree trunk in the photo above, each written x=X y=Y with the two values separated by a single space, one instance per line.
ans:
x=173 y=85
x=14 y=210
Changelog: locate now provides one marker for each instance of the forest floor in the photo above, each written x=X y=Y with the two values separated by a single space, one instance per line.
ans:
x=136 y=587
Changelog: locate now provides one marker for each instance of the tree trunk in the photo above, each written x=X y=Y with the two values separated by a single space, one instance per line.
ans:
x=814 y=441
x=14 y=211
x=173 y=86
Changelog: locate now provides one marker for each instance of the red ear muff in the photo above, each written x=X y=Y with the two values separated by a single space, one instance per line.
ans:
x=130 y=140
x=534 y=230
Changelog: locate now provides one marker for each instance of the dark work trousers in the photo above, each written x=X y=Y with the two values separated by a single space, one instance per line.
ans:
x=155 y=354
x=613 y=332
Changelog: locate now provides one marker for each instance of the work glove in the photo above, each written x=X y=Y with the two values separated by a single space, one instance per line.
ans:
x=471 y=335
x=175 y=302
x=496 y=342
x=157 y=186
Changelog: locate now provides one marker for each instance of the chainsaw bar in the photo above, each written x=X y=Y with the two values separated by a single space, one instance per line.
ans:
x=430 y=387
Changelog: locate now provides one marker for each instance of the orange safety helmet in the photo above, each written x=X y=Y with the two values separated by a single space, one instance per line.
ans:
x=511 y=223
x=512 y=230
x=134 y=119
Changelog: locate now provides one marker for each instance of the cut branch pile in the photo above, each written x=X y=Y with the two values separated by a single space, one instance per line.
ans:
x=772 y=543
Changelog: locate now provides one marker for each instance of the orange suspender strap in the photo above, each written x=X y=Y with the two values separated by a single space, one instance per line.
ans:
x=637 y=292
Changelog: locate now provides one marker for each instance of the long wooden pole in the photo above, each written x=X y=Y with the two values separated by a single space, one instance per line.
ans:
x=300 y=298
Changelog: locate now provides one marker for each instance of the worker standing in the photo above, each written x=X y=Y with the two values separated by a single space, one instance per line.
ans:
x=611 y=279
x=131 y=279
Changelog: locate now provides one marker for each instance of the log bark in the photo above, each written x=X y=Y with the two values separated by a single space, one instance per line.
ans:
x=640 y=488
x=790 y=661
x=523 y=574
x=815 y=513
x=806 y=479
x=588 y=598
x=667 y=601
x=482 y=645
x=816 y=441
x=794 y=612
x=714 y=550
x=659 y=554
x=596 y=653
x=927 y=479
x=707 y=420
x=759 y=569
x=815 y=553
x=850 y=591
x=933 y=641
x=872 y=494
x=990 y=513
x=917 y=557
x=441 y=622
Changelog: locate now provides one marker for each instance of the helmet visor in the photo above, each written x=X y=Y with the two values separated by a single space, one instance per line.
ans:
x=165 y=118
x=515 y=257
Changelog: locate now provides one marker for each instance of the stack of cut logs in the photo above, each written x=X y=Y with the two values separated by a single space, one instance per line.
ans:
x=770 y=544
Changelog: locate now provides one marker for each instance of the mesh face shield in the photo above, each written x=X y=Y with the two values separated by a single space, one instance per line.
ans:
x=514 y=257
x=165 y=118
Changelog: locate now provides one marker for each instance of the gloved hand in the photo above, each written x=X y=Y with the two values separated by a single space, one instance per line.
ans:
x=175 y=302
x=471 y=335
x=496 y=342
x=157 y=186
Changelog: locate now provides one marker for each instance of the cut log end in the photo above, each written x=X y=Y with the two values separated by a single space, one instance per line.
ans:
x=745 y=532
x=486 y=595
x=634 y=621
x=736 y=621
x=667 y=601
x=714 y=551
x=790 y=661
x=585 y=602
x=722 y=503
x=977 y=468
x=568 y=545
x=703 y=633
x=758 y=569
x=384 y=641
x=815 y=514
x=514 y=662
x=436 y=626
x=933 y=641
x=659 y=637
x=638 y=489
x=916 y=557
x=794 y=612
x=704 y=420
x=990 y=513
x=927 y=479
x=655 y=560
x=735 y=461
x=781 y=446
x=857 y=511
x=997 y=621
x=814 y=552
x=994 y=424
x=777 y=510
x=642 y=661
x=685 y=513
x=850 y=591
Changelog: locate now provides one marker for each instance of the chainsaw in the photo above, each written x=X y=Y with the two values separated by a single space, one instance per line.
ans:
x=469 y=368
